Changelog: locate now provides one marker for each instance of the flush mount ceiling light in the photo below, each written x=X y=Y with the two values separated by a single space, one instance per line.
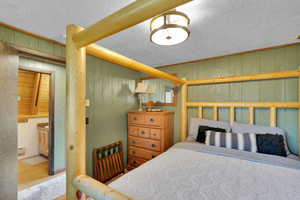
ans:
x=170 y=28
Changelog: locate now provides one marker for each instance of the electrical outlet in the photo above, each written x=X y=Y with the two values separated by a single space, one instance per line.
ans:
x=87 y=103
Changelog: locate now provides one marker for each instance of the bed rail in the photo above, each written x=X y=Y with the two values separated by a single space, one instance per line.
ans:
x=96 y=189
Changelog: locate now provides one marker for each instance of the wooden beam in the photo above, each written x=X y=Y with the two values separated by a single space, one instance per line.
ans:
x=134 y=13
x=183 y=110
x=96 y=189
x=75 y=111
x=250 y=77
x=152 y=77
x=245 y=104
x=273 y=118
x=123 y=61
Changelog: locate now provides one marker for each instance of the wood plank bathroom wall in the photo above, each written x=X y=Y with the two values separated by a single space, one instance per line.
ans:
x=33 y=90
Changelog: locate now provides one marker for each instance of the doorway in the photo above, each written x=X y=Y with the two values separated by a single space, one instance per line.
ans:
x=35 y=125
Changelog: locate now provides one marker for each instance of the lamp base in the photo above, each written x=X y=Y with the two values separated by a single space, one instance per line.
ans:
x=140 y=102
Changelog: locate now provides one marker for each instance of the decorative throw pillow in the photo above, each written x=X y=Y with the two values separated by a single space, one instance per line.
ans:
x=271 y=144
x=245 y=141
x=196 y=122
x=257 y=129
x=203 y=129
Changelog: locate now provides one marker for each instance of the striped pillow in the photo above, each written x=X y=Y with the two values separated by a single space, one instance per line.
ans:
x=240 y=141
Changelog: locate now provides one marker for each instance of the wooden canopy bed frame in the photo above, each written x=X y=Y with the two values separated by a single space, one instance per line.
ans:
x=79 y=40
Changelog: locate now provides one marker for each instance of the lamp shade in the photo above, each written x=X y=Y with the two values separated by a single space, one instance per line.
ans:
x=141 y=89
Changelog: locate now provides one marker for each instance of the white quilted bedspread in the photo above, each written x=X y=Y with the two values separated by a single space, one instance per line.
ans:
x=185 y=172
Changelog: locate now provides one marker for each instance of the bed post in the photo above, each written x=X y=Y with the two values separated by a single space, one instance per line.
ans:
x=75 y=111
x=183 y=110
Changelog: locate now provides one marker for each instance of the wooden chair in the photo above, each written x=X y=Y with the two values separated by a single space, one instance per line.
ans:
x=108 y=162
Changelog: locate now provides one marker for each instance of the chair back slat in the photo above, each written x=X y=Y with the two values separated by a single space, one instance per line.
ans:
x=108 y=162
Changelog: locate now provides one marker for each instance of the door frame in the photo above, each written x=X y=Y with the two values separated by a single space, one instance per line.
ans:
x=51 y=114
x=8 y=149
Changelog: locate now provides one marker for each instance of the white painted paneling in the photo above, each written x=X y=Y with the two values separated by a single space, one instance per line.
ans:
x=28 y=136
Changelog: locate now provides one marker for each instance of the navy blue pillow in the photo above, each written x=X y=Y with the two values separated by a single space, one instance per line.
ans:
x=271 y=144
x=202 y=129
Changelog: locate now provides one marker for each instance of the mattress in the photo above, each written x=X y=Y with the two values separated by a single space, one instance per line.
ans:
x=194 y=171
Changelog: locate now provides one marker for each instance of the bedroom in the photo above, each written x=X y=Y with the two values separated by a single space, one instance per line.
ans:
x=110 y=87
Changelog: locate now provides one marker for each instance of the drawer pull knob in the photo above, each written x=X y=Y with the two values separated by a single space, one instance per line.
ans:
x=143 y=132
x=151 y=120
x=153 y=156
x=135 y=118
x=134 y=162
x=153 y=145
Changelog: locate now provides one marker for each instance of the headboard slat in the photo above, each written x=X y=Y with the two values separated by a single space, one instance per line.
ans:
x=273 y=117
x=232 y=114
x=245 y=104
x=215 y=113
x=251 y=115
x=200 y=112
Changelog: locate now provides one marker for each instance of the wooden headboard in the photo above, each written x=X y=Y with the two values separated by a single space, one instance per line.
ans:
x=251 y=106
x=273 y=106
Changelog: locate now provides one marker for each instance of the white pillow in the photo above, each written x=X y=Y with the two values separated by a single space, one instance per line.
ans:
x=196 y=122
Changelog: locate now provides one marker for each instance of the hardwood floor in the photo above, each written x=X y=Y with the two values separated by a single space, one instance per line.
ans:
x=30 y=173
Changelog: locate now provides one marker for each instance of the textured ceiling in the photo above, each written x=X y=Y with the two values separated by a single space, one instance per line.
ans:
x=217 y=27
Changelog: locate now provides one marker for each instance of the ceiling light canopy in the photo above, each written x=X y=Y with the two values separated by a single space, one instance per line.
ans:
x=170 y=28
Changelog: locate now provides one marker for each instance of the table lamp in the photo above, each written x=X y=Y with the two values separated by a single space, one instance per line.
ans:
x=140 y=90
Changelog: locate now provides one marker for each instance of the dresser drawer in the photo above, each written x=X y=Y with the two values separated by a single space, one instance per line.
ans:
x=144 y=132
x=136 y=118
x=144 y=143
x=133 y=130
x=153 y=120
x=155 y=133
x=142 y=153
x=135 y=162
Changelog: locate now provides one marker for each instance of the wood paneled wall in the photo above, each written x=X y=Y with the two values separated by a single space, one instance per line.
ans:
x=26 y=88
x=43 y=97
x=33 y=93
